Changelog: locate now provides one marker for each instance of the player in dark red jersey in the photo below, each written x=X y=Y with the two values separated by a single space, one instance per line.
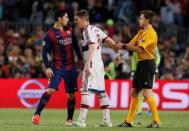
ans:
x=60 y=45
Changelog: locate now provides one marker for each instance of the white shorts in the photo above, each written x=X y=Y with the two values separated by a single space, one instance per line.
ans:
x=94 y=82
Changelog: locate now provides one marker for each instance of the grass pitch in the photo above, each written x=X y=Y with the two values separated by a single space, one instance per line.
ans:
x=53 y=120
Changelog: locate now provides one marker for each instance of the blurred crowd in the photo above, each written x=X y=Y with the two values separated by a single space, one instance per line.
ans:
x=23 y=24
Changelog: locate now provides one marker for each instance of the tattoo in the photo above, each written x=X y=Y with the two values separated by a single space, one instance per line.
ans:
x=109 y=43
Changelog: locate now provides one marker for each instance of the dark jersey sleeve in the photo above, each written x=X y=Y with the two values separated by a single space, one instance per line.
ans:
x=76 y=47
x=46 y=50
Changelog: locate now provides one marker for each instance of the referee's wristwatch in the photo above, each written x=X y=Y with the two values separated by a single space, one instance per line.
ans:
x=124 y=46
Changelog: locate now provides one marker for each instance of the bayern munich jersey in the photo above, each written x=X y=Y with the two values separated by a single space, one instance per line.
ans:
x=92 y=34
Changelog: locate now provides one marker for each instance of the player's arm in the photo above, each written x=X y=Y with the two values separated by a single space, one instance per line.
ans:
x=88 y=64
x=110 y=43
x=90 y=37
x=45 y=51
x=76 y=47
x=78 y=52
x=106 y=40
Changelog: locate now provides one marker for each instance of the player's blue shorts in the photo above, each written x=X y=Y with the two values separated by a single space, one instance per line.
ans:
x=70 y=80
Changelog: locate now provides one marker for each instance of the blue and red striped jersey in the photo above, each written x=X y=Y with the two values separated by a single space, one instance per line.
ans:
x=59 y=44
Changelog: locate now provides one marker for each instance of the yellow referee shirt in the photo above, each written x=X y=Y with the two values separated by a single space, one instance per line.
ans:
x=147 y=39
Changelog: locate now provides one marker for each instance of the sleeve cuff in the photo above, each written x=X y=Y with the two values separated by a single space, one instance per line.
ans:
x=104 y=39
x=90 y=42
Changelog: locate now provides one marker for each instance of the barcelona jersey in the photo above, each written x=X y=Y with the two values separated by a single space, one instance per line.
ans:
x=59 y=44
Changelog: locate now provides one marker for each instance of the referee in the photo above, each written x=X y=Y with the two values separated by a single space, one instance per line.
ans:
x=145 y=44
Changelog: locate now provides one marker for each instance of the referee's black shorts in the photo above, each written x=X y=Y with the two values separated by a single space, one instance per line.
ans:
x=144 y=75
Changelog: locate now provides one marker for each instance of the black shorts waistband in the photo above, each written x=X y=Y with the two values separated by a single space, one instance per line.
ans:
x=144 y=61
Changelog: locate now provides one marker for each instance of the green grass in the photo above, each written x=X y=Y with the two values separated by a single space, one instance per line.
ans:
x=53 y=120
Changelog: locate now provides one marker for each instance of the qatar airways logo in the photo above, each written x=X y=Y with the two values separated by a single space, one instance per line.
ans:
x=65 y=41
x=30 y=92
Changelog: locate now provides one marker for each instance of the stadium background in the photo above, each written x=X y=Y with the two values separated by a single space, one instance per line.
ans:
x=23 y=24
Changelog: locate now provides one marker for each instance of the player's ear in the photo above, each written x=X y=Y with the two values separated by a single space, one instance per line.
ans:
x=148 y=20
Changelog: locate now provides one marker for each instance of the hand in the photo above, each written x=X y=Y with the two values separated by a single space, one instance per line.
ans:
x=88 y=69
x=117 y=59
x=118 y=45
x=49 y=73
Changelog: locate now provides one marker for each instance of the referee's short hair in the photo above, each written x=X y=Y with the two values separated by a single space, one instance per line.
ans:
x=148 y=14
x=83 y=13
x=59 y=13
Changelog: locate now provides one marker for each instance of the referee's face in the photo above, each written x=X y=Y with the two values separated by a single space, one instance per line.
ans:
x=142 y=21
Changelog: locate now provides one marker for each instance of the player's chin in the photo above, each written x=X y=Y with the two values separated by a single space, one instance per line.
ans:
x=69 y=23
x=66 y=24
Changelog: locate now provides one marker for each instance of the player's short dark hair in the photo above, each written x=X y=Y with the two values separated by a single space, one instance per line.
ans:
x=59 y=13
x=83 y=13
x=148 y=14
